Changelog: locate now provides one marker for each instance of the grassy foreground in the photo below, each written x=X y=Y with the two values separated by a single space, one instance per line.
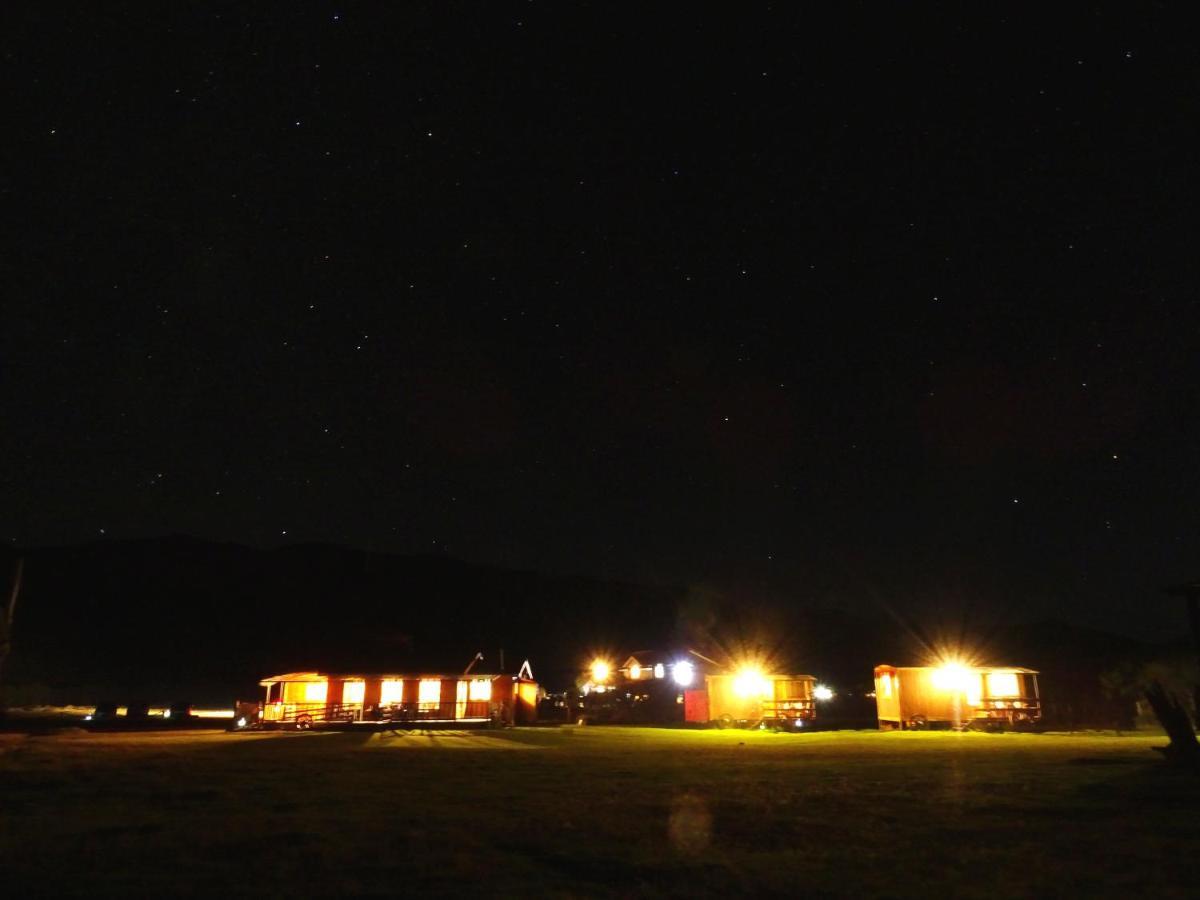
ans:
x=596 y=812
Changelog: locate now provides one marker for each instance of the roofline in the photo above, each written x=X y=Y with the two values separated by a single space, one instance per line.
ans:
x=982 y=668
x=312 y=677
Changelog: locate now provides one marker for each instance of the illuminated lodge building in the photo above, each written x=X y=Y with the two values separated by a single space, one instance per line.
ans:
x=305 y=700
x=955 y=695
x=689 y=687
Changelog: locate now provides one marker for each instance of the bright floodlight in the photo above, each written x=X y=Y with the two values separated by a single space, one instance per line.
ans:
x=751 y=682
x=952 y=676
x=683 y=673
x=600 y=671
x=820 y=692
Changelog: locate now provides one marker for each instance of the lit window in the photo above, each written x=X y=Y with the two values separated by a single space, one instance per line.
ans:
x=659 y=670
x=973 y=693
x=353 y=691
x=1003 y=684
x=460 y=700
x=635 y=671
x=391 y=691
x=430 y=694
x=885 y=684
x=481 y=689
x=315 y=691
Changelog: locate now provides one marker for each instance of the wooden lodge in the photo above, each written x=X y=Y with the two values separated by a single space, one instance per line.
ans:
x=750 y=698
x=303 y=700
x=956 y=696
x=687 y=686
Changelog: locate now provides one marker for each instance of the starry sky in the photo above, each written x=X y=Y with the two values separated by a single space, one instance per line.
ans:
x=897 y=306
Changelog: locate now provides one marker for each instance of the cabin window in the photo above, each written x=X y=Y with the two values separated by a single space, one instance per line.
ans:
x=353 y=691
x=974 y=694
x=791 y=690
x=635 y=671
x=885 y=684
x=315 y=691
x=481 y=689
x=430 y=694
x=659 y=670
x=391 y=690
x=1003 y=684
x=460 y=697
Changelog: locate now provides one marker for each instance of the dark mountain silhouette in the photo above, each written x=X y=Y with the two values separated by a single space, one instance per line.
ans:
x=179 y=614
x=179 y=617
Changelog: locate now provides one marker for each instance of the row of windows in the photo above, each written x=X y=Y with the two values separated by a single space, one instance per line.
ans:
x=429 y=691
x=999 y=684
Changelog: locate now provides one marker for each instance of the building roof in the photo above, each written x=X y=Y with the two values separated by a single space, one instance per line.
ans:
x=394 y=676
x=1018 y=669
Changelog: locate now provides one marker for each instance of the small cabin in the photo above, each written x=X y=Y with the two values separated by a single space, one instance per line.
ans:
x=751 y=698
x=956 y=696
x=318 y=699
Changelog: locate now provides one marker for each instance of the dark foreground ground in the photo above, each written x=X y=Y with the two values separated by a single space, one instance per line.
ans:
x=595 y=812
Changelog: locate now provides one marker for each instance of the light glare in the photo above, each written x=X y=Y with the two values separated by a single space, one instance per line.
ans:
x=750 y=682
x=683 y=672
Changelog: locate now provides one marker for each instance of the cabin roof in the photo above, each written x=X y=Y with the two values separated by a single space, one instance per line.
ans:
x=774 y=676
x=1021 y=670
x=396 y=676
x=648 y=658
x=651 y=658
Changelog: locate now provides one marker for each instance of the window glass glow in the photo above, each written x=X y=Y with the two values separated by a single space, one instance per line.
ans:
x=885 y=684
x=1003 y=684
x=353 y=691
x=315 y=691
x=973 y=690
x=391 y=691
x=481 y=689
x=635 y=671
x=683 y=672
x=460 y=698
x=659 y=670
x=429 y=694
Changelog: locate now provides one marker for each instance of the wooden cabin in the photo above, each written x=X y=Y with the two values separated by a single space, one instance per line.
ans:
x=752 y=698
x=956 y=696
x=687 y=686
x=318 y=699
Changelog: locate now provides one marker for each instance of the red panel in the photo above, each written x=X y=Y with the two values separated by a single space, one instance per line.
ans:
x=695 y=706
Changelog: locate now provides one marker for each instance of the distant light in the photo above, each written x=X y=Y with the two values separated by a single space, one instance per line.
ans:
x=799 y=723
x=683 y=672
x=821 y=692
x=659 y=670
x=88 y=717
x=241 y=722
x=600 y=671
x=166 y=714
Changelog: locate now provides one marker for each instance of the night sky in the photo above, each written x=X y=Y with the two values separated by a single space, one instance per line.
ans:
x=898 y=307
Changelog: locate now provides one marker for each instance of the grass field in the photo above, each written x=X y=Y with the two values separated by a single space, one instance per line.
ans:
x=596 y=812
